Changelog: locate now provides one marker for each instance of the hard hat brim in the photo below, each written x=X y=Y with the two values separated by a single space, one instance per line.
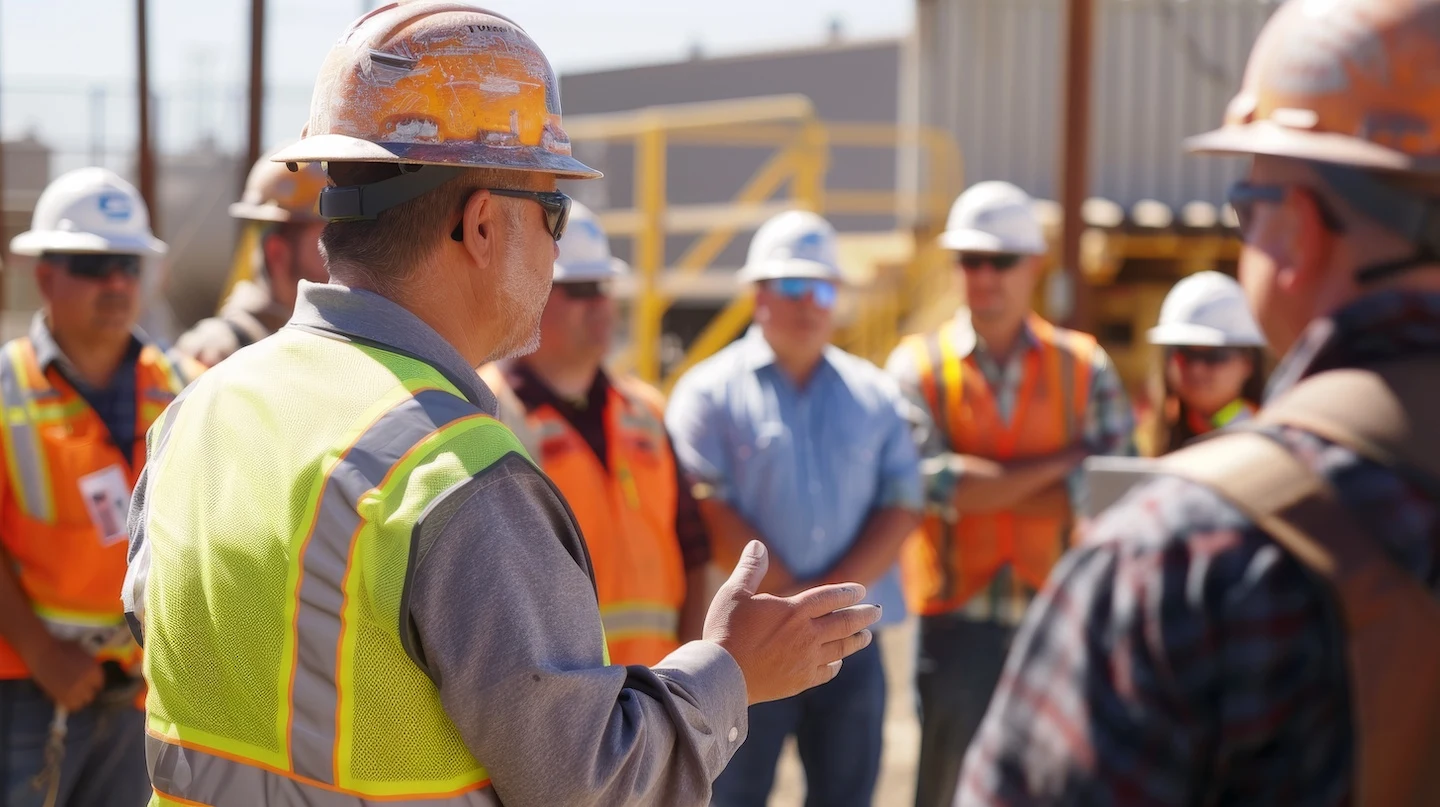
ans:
x=590 y=272
x=1176 y=334
x=790 y=267
x=37 y=242
x=1266 y=138
x=270 y=213
x=343 y=148
x=977 y=241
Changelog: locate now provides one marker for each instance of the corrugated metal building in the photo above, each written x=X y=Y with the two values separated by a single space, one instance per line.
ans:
x=989 y=72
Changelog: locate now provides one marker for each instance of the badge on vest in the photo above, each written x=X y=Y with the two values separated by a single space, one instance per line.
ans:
x=107 y=498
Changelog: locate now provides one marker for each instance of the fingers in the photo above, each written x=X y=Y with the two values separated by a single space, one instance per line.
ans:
x=750 y=571
x=831 y=652
x=846 y=622
x=824 y=599
x=825 y=673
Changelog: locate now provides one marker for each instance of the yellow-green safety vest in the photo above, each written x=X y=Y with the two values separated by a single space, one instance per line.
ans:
x=277 y=664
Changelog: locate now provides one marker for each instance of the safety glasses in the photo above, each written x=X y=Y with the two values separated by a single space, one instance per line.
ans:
x=589 y=290
x=821 y=292
x=97 y=265
x=1000 y=262
x=1211 y=356
x=1244 y=196
x=555 y=204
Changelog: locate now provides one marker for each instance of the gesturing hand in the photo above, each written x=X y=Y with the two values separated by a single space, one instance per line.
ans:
x=785 y=645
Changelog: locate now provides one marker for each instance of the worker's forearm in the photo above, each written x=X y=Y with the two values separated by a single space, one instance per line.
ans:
x=700 y=588
x=509 y=626
x=988 y=486
x=19 y=625
x=1052 y=502
x=729 y=533
x=876 y=549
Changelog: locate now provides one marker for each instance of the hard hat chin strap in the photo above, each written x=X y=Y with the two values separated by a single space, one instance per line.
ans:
x=1410 y=214
x=367 y=202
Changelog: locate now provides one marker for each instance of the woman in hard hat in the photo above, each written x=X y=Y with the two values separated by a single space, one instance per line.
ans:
x=1213 y=370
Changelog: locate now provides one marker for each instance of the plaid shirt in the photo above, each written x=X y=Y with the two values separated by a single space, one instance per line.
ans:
x=1182 y=658
x=1109 y=429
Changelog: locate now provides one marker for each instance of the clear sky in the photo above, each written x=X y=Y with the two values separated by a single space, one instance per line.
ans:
x=66 y=64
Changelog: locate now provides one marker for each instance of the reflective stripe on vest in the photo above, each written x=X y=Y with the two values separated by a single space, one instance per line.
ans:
x=627 y=620
x=26 y=462
x=189 y=776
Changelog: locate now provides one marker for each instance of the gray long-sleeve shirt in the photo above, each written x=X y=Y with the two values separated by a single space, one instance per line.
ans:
x=514 y=643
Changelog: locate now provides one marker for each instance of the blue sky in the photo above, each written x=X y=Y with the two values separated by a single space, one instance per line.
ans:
x=65 y=64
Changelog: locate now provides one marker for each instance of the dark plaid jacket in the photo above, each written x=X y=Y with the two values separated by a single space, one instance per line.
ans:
x=1179 y=656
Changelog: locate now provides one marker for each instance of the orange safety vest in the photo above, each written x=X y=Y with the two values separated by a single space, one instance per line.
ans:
x=948 y=562
x=66 y=496
x=626 y=512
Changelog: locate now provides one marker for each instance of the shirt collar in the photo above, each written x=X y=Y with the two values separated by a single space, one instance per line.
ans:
x=368 y=317
x=1373 y=328
x=48 y=352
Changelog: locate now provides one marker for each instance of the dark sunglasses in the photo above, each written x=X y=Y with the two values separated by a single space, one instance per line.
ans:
x=588 y=290
x=1243 y=196
x=1001 y=262
x=555 y=204
x=1212 y=356
x=97 y=265
x=821 y=292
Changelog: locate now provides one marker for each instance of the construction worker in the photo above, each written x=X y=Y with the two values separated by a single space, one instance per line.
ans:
x=1257 y=622
x=281 y=245
x=602 y=440
x=804 y=446
x=78 y=394
x=1213 y=372
x=351 y=582
x=1010 y=405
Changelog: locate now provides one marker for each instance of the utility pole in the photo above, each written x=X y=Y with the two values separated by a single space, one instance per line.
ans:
x=1075 y=152
x=146 y=155
x=256 y=111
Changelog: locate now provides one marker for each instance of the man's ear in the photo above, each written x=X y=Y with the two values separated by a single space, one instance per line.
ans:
x=479 y=225
x=1308 y=242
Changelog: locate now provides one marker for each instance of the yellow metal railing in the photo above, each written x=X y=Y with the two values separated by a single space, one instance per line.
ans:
x=794 y=176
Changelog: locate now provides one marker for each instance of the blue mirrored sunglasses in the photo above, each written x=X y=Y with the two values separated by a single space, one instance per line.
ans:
x=821 y=292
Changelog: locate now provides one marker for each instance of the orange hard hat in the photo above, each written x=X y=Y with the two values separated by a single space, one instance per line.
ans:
x=428 y=82
x=1344 y=82
x=275 y=193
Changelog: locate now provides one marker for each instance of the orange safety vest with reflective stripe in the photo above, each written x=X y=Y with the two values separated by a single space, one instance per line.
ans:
x=950 y=561
x=69 y=553
x=626 y=513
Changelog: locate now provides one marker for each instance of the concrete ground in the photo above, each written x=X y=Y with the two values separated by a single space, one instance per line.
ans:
x=902 y=733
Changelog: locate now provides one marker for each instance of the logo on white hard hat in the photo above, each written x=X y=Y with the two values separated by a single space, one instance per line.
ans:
x=809 y=247
x=115 y=206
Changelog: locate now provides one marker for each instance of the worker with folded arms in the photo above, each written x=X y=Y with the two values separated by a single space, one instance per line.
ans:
x=601 y=438
x=805 y=447
x=351 y=581
x=1010 y=405
x=79 y=393
x=280 y=245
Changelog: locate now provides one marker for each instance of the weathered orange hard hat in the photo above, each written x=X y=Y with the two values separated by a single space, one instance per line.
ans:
x=1347 y=82
x=275 y=193
x=427 y=82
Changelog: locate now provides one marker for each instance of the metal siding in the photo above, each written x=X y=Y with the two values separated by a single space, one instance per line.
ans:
x=1165 y=69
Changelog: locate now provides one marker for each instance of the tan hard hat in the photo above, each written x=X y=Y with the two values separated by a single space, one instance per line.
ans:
x=426 y=82
x=275 y=193
x=1348 y=82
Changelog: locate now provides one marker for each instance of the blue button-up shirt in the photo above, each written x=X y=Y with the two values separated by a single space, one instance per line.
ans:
x=805 y=467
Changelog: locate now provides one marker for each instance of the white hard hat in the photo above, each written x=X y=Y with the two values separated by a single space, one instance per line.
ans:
x=585 y=250
x=994 y=217
x=796 y=243
x=89 y=210
x=1207 y=309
